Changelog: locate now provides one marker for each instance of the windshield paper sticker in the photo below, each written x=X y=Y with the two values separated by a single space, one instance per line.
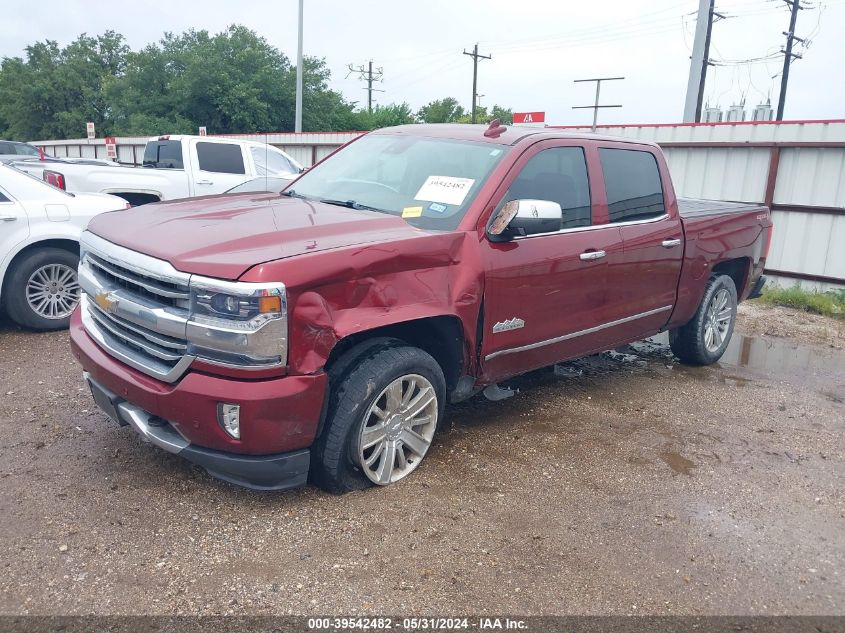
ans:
x=411 y=212
x=437 y=207
x=445 y=189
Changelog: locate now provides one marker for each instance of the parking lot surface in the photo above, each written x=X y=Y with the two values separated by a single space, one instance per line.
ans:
x=625 y=483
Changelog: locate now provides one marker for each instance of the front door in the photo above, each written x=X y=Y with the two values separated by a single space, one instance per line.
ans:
x=544 y=294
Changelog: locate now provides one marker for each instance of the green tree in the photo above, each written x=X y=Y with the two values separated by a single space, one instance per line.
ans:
x=505 y=115
x=446 y=110
x=385 y=116
x=53 y=92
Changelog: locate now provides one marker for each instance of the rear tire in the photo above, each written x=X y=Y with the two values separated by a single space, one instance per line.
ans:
x=358 y=414
x=42 y=289
x=705 y=338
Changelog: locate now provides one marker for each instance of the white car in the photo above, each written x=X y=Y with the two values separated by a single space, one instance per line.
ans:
x=175 y=166
x=40 y=227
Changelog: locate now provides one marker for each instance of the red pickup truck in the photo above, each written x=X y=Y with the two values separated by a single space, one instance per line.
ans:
x=318 y=334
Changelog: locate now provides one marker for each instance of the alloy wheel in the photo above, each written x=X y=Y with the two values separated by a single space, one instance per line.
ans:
x=717 y=320
x=398 y=429
x=52 y=291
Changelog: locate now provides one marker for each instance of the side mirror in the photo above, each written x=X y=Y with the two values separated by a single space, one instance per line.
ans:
x=525 y=217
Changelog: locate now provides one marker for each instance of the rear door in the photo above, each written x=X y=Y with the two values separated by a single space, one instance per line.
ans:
x=545 y=294
x=216 y=165
x=643 y=286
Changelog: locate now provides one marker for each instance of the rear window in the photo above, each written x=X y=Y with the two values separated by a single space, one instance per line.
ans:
x=26 y=150
x=632 y=182
x=164 y=155
x=222 y=158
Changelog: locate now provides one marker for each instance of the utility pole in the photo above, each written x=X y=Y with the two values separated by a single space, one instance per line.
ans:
x=475 y=57
x=788 y=55
x=699 y=61
x=370 y=76
x=595 y=107
x=297 y=127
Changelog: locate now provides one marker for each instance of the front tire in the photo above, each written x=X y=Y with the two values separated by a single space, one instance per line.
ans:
x=42 y=289
x=705 y=338
x=383 y=412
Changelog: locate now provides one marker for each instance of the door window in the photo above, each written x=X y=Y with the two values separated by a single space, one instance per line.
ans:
x=558 y=174
x=3 y=198
x=221 y=158
x=632 y=182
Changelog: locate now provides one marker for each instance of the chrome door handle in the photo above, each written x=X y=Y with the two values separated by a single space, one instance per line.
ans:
x=591 y=255
x=671 y=243
x=205 y=182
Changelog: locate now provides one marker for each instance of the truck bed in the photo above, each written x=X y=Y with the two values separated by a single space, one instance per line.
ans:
x=698 y=207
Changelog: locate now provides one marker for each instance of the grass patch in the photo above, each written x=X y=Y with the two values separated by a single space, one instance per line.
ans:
x=830 y=303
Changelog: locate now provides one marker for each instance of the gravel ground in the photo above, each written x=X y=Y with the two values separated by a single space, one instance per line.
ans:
x=622 y=484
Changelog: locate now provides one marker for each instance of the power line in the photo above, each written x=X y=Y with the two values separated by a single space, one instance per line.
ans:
x=595 y=107
x=369 y=75
x=475 y=57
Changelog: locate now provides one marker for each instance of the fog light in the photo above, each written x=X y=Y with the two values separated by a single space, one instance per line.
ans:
x=229 y=417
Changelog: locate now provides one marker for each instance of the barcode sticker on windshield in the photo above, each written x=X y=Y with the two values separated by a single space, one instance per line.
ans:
x=446 y=189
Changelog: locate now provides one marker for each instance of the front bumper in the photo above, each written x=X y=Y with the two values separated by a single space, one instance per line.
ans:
x=259 y=472
x=279 y=417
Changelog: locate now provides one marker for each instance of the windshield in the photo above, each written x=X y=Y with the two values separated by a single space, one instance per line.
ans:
x=428 y=181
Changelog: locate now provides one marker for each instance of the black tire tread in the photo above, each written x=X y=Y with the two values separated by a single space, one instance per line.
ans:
x=687 y=341
x=331 y=466
x=14 y=286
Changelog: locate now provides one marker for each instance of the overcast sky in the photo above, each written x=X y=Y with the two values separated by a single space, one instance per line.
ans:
x=538 y=48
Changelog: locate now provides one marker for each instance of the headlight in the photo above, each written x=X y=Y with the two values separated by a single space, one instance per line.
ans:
x=238 y=323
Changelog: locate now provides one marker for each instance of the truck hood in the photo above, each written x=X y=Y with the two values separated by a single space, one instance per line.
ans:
x=224 y=236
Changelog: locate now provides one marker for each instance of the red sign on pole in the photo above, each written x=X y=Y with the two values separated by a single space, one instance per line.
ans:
x=529 y=117
x=111 y=147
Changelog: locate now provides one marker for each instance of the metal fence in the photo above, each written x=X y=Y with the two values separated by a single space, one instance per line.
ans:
x=797 y=168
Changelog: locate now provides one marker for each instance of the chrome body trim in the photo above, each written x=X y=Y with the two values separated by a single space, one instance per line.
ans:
x=593 y=227
x=511 y=324
x=119 y=350
x=140 y=264
x=165 y=436
x=571 y=335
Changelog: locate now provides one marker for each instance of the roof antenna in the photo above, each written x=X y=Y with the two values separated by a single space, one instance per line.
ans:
x=495 y=129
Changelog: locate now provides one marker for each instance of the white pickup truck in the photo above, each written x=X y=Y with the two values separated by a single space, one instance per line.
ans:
x=175 y=166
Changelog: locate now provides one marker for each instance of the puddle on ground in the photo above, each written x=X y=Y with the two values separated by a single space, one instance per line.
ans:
x=678 y=463
x=753 y=354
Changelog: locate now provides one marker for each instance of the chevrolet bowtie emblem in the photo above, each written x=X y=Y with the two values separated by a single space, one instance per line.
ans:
x=105 y=300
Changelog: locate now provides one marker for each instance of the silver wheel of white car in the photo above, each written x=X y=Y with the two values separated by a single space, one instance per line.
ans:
x=398 y=429
x=52 y=291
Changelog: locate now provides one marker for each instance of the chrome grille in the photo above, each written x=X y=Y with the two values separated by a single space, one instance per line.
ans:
x=168 y=293
x=135 y=307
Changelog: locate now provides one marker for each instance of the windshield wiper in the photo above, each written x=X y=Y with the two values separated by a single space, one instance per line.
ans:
x=290 y=193
x=352 y=204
